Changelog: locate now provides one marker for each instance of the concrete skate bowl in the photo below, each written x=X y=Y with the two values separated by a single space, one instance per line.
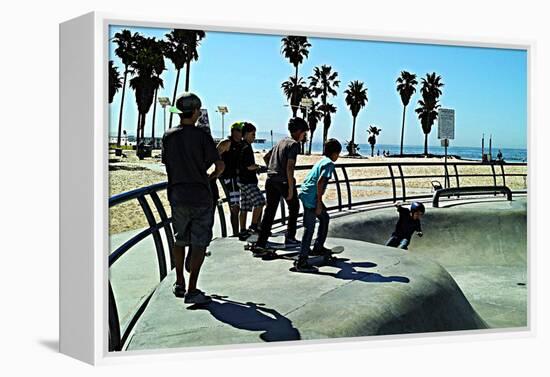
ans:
x=482 y=245
x=471 y=281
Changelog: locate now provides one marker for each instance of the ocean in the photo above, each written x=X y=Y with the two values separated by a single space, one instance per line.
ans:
x=467 y=153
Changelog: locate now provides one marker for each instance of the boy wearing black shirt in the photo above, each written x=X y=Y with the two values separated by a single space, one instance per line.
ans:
x=252 y=198
x=408 y=223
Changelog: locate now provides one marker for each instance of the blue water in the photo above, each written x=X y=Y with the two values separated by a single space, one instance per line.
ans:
x=469 y=153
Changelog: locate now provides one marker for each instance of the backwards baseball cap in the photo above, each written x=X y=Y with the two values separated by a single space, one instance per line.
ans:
x=186 y=102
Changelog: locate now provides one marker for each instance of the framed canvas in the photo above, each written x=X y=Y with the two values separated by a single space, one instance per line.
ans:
x=227 y=188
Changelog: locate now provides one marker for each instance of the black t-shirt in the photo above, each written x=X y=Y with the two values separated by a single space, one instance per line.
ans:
x=246 y=160
x=286 y=149
x=231 y=159
x=406 y=226
x=188 y=152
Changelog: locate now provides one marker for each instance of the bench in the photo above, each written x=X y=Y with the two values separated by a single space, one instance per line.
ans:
x=471 y=190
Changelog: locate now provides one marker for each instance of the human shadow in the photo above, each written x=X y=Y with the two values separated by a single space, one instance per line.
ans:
x=251 y=317
x=348 y=271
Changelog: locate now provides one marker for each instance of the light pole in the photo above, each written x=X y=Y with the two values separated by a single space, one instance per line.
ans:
x=222 y=110
x=164 y=101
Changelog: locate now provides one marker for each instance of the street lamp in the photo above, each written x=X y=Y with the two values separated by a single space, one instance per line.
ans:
x=222 y=110
x=164 y=101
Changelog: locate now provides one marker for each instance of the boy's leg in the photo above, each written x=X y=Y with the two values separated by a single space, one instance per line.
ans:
x=243 y=216
x=404 y=244
x=256 y=217
x=309 y=228
x=322 y=232
x=197 y=258
x=392 y=241
x=179 y=259
x=293 y=210
x=200 y=237
x=234 y=216
x=273 y=197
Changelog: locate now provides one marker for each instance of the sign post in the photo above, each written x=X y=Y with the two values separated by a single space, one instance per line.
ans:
x=446 y=132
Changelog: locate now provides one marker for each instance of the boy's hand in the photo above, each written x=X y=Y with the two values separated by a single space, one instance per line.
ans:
x=399 y=204
x=420 y=234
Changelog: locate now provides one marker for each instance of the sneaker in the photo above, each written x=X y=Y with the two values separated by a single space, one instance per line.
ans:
x=197 y=297
x=292 y=242
x=259 y=251
x=243 y=236
x=301 y=265
x=178 y=290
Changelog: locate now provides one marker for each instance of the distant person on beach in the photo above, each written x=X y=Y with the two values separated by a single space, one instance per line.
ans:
x=311 y=195
x=408 y=223
x=280 y=183
x=230 y=152
x=499 y=155
x=252 y=199
x=378 y=152
x=188 y=152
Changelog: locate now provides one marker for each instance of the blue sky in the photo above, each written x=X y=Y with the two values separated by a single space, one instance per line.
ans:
x=486 y=87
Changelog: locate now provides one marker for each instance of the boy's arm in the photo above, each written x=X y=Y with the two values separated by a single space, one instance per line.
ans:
x=267 y=156
x=321 y=185
x=290 y=176
x=223 y=146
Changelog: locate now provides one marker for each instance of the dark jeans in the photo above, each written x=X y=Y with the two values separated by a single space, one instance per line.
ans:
x=309 y=228
x=274 y=191
x=401 y=243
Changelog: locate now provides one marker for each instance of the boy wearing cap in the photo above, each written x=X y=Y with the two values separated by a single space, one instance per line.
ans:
x=230 y=151
x=188 y=152
x=280 y=183
x=252 y=198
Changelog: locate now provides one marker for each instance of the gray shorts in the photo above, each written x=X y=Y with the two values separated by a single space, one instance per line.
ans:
x=192 y=225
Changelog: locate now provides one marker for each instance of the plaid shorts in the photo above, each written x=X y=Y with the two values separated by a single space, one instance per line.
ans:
x=231 y=189
x=251 y=196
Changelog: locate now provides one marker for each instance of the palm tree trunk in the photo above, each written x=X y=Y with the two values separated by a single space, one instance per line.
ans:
x=137 y=128
x=426 y=145
x=352 y=149
x=143 y=126
x=121 y=107
x=187 y=72
x=402 y=130
x=295 y=108
x=154 y=116
x=174 y=97
x=372 y=150
x=310 y=141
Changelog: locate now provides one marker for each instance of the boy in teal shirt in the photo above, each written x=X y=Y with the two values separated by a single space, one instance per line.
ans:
x=311 y=195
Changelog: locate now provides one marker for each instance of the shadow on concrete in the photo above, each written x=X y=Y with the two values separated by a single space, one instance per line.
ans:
x=348 y=272
x=252 y=317
x=52 y=345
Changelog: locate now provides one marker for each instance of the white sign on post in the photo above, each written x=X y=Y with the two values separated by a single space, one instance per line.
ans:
x=446 y=124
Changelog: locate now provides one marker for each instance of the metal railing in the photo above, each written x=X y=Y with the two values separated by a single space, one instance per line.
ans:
x=342 y=183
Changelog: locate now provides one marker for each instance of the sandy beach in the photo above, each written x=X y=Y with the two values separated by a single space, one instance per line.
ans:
x=128 y=173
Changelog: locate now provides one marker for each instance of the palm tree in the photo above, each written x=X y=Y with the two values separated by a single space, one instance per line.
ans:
x=313 y=117
x=326 y=111
x=373 y=132
x=406 y=86
x=147 y=67
x=174 y=48
x=295 y=49
x=356 y=99
x=294 y=91
x=114 y=81
x=126 y=52
x=428 y=105
x=192 y=42
x=322 y=84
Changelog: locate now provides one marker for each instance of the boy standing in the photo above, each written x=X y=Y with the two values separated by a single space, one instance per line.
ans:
x=252 y=198
x=408 y=223
x=230 y=152
x=311 y=195
x=280 y=183
x=188 y=152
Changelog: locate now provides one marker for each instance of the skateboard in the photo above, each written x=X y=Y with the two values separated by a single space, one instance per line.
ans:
x=322 y=260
